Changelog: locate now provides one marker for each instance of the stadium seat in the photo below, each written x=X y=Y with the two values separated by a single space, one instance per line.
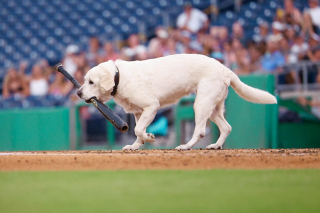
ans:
x=43 y=28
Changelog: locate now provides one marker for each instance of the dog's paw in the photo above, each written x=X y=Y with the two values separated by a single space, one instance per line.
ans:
x=183 y=147
x=148 y=137
x=214 y=146
x=131 y=147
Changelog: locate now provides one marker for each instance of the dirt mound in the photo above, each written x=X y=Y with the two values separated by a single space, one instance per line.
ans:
x=160 y=159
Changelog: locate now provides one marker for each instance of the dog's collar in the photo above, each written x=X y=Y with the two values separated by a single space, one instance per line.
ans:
x=116 y=81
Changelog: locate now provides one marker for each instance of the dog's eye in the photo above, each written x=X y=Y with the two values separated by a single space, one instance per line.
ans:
x=90 y=82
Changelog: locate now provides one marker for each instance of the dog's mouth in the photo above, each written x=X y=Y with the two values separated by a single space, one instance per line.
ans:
x=88 y=101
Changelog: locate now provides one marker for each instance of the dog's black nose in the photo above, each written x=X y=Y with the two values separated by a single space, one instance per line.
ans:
x=79 y=93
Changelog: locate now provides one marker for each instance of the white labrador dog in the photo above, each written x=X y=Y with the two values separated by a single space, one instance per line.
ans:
x=146 y=86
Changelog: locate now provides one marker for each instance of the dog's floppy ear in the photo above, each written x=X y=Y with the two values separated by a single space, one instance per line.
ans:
x=106 y=81
x=106 y=78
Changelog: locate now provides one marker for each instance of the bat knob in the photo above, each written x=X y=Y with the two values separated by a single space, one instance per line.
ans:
x=57 y=66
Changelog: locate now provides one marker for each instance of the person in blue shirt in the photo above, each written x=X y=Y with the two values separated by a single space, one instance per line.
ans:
x=273 y=59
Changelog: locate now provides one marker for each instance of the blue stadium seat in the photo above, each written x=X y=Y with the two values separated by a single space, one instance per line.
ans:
x=12 y=102
x=43 y=28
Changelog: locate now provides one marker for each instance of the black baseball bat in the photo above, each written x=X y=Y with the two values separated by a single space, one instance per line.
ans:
x=114 y=119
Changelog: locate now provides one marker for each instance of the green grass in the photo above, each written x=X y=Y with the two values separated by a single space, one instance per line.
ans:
x=161 y=191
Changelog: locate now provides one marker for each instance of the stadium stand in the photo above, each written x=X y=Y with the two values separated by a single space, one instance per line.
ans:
x=41 y=29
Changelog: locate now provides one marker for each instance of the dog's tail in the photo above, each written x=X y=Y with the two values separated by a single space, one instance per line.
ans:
x=251 y=94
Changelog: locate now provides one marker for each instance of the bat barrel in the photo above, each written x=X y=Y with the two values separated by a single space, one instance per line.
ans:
x=112 y=117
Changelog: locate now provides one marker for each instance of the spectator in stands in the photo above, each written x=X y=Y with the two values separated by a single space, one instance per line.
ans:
x=60 y=86
x=223 y=35
x=82 y=63
x=289 y=22
x=218 y=56
x=273 y=59
x=263 y=32
x=313 y=41
x=135 y=50
x=311 y=18
x=38 y=83
x=289 y=34
x=313 y=70
x=208 y=42
x=94 y=52
x=298 y=49
x=291 y=12
x=232 y=57
x=170 y=48
x=242 y=62
x=158 y=45
x=192 y=19
x=237 y=32
x=226 y=48
x=285 y=49
x=312 y=50
x=109 y=53
x=220 y=33
x=183 y=42
x=277 y=30
x=70 y=61
x=14 y=83
x=194 y=48
x=254 y=56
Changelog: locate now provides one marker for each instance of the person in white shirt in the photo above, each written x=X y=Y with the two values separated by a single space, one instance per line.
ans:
x=38 y=83
x=311 y=18
x=134 y=50
x=192 y=19
x=69 y=61
x=298 y=49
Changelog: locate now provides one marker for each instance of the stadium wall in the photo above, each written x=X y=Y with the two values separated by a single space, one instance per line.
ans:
x=253 y=125
x=36 y=129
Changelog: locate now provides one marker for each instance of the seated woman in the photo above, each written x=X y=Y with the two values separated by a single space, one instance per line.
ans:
x=14 y=83
x=38 y=82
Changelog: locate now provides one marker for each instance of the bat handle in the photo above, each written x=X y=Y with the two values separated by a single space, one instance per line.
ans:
x=59 y=68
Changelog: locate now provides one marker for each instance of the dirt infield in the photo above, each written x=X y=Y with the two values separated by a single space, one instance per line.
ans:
x=160 y=159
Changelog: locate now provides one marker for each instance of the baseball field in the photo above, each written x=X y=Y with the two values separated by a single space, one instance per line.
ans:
x=262 y=180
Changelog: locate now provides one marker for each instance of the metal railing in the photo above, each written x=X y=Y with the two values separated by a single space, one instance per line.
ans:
x=297 y=79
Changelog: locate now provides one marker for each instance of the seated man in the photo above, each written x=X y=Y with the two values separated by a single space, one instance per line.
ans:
x=192 y=19
x=263 y=32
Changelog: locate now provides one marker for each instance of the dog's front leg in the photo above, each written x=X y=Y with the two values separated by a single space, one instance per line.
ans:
x=138 y=143
x=142 y=122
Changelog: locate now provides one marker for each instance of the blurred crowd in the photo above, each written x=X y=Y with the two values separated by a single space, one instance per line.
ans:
x=293 y=36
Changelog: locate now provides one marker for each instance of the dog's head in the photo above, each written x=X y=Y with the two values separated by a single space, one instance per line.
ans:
x=99 y=82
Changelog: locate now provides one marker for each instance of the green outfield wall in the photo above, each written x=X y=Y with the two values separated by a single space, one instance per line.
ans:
x=253 y=125
x=36 y=129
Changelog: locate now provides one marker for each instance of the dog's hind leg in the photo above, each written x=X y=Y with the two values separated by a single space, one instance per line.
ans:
x=138 y=143
x=204 y=105
x=224 y=127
